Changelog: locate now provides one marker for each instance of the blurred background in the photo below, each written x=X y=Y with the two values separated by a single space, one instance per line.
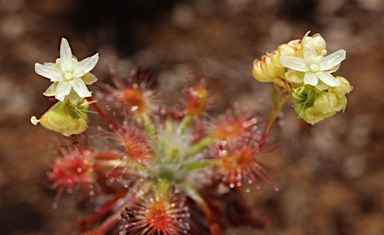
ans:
x=331 y=175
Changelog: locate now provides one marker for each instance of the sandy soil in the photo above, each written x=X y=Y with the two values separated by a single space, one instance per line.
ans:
x=330 y=175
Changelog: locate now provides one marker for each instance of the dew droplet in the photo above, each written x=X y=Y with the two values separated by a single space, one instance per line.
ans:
x=247 y=190
x=231 y=185
x=79 y=169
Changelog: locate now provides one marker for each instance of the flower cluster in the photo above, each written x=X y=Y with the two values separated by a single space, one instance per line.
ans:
x=302 y=69
x=153 y=164
x=69 y=78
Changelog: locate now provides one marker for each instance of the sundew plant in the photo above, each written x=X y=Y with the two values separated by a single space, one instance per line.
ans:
x=151 y=168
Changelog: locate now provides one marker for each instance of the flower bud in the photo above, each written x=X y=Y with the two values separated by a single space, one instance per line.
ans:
x=275 y=58
x=343 y=89
x=65 y=118
x=259 y=74
x=265 y=70
x=326 y=102
x=313 y=116
x=317 y=41
x=289 y=49
x=341 y=103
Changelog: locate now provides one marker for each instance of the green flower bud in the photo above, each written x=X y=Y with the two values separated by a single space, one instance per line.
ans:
x=65 y=118
x=326 y=102
x=341 y=103
x=313 y=116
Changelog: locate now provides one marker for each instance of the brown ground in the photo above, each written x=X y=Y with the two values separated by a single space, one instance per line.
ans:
x=331 y=175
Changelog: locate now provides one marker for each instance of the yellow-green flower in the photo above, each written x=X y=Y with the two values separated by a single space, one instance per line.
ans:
x=65 y=118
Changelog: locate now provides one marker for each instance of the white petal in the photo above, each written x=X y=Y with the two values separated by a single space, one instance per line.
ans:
x=51 y=64
x=51 y=72
x=85 y=65
x=80 y=88
x=65 y=55
x=294 y=63
x=89 y=78
x=332 y=60
x=62 y=90
x=51 y=89
x=310 y=54
x=333 y=69
x=328 y=79
x=311 y=79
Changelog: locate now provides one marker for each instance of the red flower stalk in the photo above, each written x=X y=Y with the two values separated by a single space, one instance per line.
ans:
x=74 y=169
x=237 y=163
x=157 y=213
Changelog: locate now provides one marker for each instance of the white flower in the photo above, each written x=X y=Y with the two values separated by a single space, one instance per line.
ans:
x=69 y=76
x=315 y=66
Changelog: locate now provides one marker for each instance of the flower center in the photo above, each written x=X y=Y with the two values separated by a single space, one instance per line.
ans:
x=68 y=76
x=314 y=68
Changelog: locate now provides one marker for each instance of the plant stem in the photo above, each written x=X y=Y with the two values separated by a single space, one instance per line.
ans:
x=197 y=147
x=106 y=119
x=277 y=106
x=185 y=123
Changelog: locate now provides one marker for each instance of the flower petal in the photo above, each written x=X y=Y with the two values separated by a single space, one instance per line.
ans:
x=311 y=79
x=294 y=76
x=51 y=89
x=322 y=86
x=328 y=79
x=85 y=65
x=65 y=55
x=294 y=63
x=310 y=54
x=80 y=88
x=332 y=60
x=62 y=90
x=333 y=69
x=73 y=97
x=48 y=71
x=89 y=78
